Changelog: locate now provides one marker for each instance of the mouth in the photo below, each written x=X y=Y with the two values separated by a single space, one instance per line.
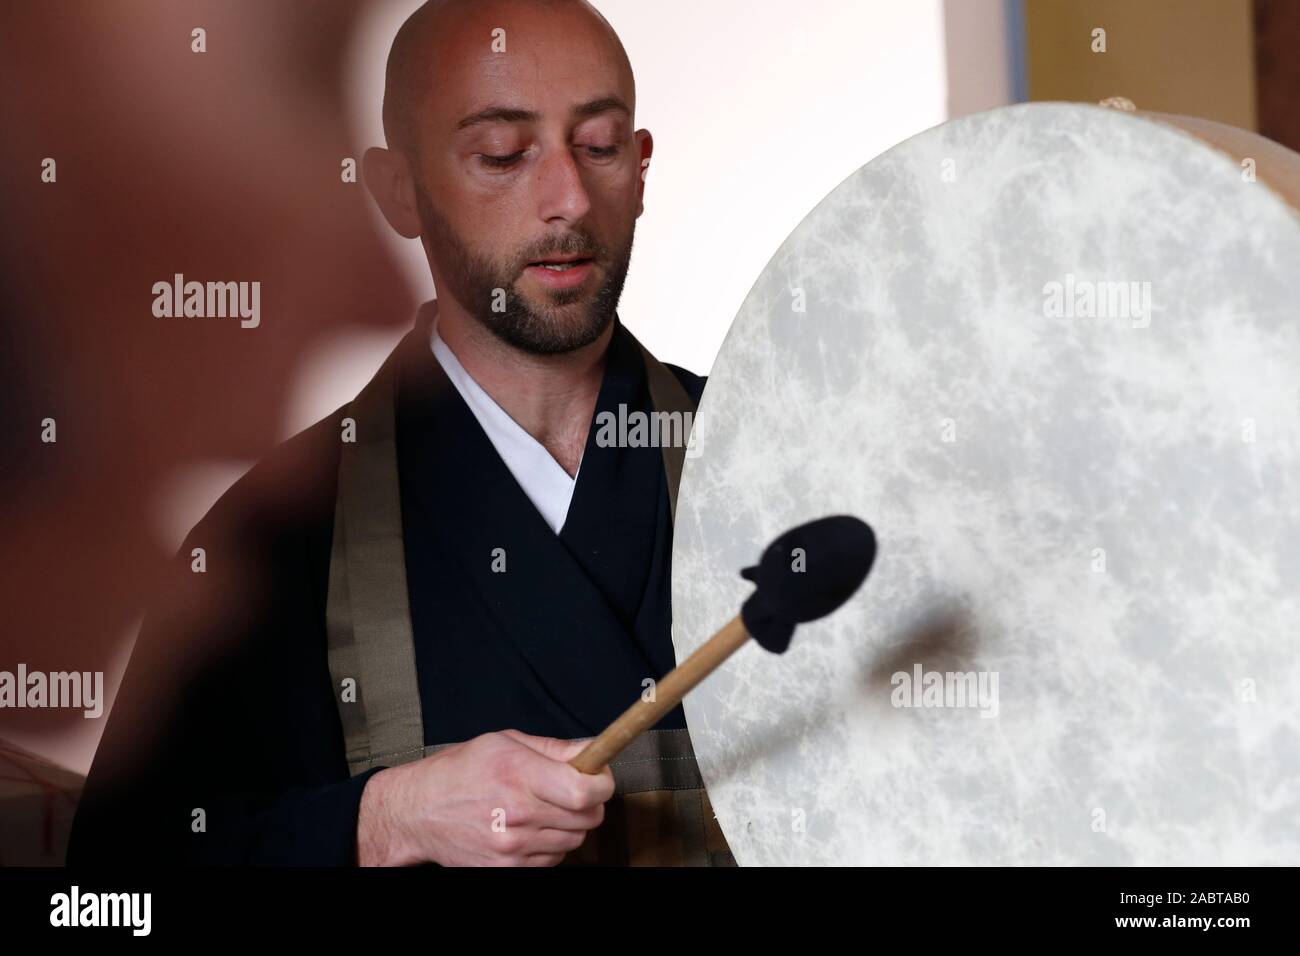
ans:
x=560 y=263
x=561 y=272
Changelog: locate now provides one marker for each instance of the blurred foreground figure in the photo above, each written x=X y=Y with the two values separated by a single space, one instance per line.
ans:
x=220 y=165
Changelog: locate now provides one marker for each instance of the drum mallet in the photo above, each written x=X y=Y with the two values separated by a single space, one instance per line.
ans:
x=803 y=575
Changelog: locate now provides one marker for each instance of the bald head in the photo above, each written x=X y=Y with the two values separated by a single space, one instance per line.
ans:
x=438 y=34
x=513 y=155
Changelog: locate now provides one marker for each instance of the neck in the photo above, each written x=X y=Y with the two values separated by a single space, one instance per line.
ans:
x=552 y=397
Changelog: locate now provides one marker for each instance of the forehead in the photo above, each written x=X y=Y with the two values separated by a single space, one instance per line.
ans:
x=555 y=57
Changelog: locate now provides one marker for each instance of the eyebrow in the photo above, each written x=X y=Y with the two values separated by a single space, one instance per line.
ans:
x=510 y=114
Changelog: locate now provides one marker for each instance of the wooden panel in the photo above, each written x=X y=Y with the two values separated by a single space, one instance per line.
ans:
x=1188 y=57
x=1277 y=69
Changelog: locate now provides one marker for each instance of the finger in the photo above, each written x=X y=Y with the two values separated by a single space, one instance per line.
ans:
x=540 y=845
x=557 y=841
x=540 y=814
x=566 y=787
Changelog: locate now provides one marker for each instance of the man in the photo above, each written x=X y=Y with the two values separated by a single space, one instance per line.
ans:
x=389 y=638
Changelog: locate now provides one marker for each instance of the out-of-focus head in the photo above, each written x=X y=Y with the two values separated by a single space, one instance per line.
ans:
x=511 y=141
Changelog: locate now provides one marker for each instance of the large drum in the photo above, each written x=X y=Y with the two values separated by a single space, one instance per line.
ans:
x=1051 y=353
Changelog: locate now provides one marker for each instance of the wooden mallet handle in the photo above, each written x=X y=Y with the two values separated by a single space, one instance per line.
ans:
x=676 y=684
x=842 y=549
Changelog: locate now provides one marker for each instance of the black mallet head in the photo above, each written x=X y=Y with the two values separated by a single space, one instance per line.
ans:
x=805 y=574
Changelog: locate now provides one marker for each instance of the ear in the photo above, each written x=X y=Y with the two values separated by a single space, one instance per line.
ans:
x=391 y=181
x=645 y=146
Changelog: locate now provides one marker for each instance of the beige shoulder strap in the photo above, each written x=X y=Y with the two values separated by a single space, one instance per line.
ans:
x=367 y=612
x=668 y=395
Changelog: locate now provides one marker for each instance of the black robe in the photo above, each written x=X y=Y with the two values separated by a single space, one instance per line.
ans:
x=228 y=706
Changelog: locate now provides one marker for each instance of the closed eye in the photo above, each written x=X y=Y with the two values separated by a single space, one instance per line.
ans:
x=499 y=162
x=504 y=162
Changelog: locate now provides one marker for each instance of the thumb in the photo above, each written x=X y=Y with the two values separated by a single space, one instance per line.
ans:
x=555 y=748
x=571 y=748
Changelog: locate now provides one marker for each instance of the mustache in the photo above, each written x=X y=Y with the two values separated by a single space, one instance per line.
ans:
x=583 y=246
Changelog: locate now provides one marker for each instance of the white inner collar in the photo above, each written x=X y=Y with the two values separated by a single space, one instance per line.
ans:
x=547 y=485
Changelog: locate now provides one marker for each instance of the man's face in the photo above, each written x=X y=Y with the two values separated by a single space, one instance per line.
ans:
x=524 y=156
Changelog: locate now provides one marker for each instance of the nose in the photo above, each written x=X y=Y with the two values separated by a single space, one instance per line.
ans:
x=561 y=194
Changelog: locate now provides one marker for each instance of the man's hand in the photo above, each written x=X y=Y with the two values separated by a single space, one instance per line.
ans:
x=501 y=799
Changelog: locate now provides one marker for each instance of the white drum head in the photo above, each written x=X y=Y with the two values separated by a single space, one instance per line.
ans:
x=1086 y=499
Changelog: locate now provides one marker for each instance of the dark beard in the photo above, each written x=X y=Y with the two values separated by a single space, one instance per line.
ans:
x=475 y=279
